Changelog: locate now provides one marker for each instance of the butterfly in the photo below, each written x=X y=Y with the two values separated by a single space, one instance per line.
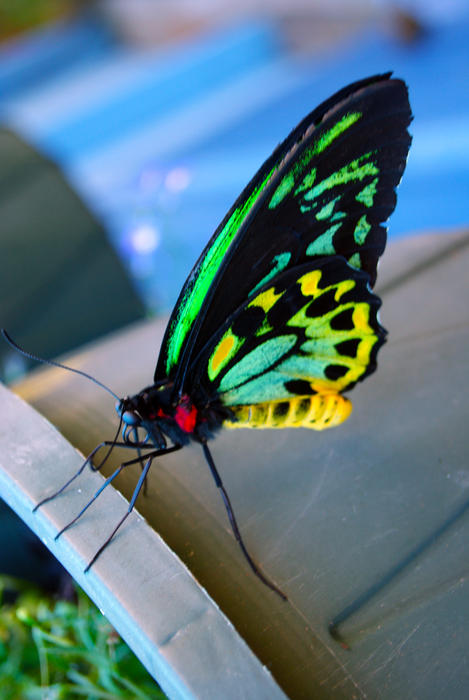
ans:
x=277 y=318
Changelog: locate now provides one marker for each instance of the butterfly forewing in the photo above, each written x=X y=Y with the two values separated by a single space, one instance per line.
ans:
x=325 y=191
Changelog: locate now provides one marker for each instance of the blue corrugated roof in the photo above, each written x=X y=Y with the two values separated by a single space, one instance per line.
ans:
x=205 y=113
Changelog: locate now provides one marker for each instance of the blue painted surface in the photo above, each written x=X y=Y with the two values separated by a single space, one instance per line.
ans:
x=158 y=83
x=160 y=143
x=43 y=55
x=436 y=71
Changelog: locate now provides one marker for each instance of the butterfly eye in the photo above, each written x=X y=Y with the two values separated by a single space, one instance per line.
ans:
x=130 y=418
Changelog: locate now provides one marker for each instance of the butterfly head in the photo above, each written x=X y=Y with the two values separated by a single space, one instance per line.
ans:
x=149 y=404
x=154 y=411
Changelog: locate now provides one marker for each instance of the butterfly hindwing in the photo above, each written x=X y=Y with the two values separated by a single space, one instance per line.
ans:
x=311 y=329
x=326 y=191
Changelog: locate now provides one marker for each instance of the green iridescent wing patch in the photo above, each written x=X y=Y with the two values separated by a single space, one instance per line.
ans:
x=325 y=192
x=196 y=290
x=311 y=329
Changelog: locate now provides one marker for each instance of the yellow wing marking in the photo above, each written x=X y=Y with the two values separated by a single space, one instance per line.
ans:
x=318 y=412
x=225 y=350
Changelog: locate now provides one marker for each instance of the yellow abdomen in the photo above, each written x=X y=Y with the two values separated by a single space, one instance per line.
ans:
x=318 y=412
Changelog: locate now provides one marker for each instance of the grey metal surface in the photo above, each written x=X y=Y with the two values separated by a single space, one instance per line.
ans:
x=63 y=284
x=327 y=515
x=154 y=602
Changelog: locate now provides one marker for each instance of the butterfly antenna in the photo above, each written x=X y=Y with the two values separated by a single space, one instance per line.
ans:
x=30 y=355
x=234 y=524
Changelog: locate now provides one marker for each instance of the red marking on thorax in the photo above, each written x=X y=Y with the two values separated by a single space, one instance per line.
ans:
x=186 y=417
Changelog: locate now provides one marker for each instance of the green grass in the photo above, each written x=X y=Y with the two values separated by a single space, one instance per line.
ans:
x=20 y=15
x=53 y=649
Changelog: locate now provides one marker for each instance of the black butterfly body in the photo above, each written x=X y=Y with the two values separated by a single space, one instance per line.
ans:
x=277 y=318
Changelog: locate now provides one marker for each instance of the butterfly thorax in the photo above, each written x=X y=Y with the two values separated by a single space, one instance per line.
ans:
x=156 y=410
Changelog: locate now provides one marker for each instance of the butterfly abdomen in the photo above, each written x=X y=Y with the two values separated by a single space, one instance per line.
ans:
x=318 y=412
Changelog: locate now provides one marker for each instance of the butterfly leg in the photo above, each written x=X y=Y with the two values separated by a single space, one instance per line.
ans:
x=139 y=452
x=128 y=463
x=138 y=460
x=234 y=524
x=140 y=483
x=98 y=492
x=106 y=443
x=77 y=474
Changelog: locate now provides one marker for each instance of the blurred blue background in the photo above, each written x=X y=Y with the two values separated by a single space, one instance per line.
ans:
x=158 y=114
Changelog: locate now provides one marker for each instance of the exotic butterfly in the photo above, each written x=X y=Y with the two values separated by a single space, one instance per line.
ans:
x=277 y=319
